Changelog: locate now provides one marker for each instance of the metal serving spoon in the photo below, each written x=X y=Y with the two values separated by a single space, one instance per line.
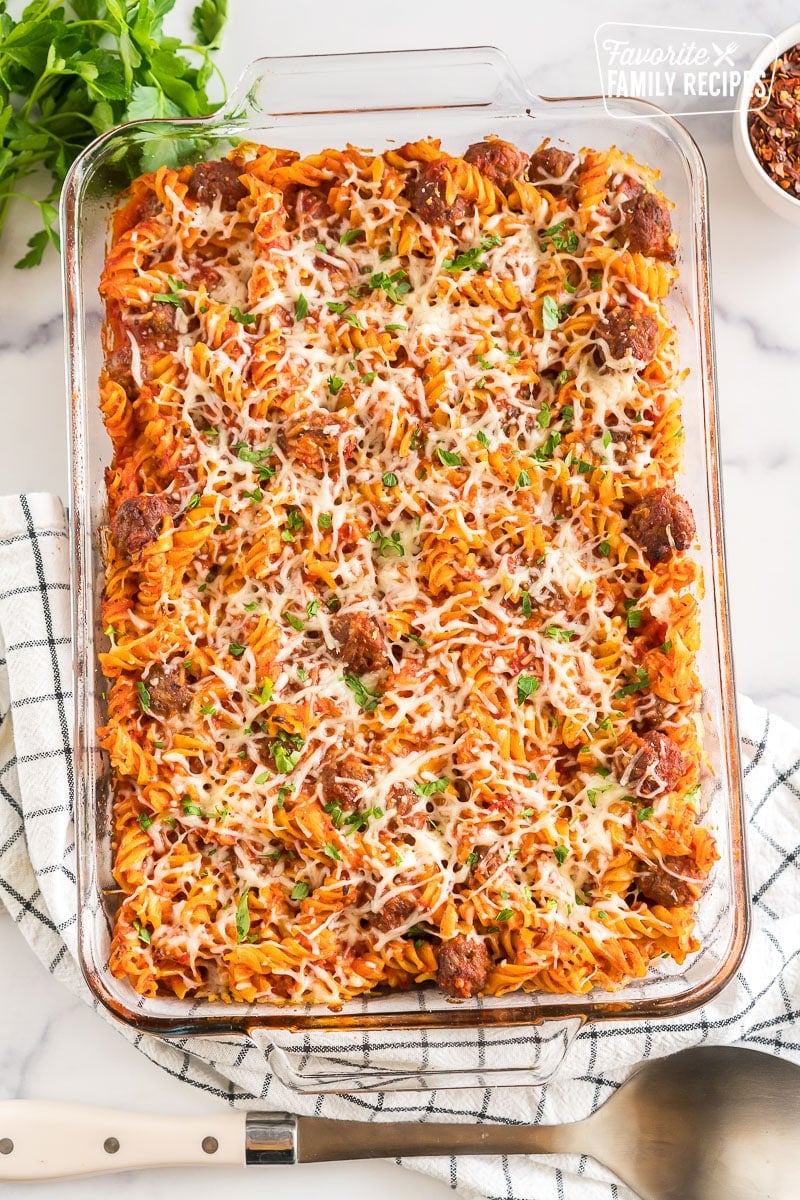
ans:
x=712 y=1123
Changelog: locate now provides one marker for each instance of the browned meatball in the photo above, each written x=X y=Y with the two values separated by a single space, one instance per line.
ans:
x=118 y=368
x=499 y=161
x=361 y=643
x=341 y=781
x=408 y=806
x=674 y=884
x=168 y=690
x=548 y=163
x=463 y=967
x=163 y=319
x=647 y=226
x=310 y=206
x=627 y=331
x=138 y=521
x=315 y=443
x=395 y=912
x=661 y=523
x=428 y=195
x=210 y=181
x=650 y=766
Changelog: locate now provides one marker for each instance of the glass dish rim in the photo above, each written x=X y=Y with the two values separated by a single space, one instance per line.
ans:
x=193 y=1021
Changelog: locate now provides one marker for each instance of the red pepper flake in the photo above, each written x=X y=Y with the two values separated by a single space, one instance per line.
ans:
x=775 y=129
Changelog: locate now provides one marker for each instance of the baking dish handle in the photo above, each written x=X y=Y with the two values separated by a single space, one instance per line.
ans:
x=403 y=1060
x=381 y=81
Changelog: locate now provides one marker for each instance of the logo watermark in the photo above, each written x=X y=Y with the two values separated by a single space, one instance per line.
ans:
x=682 y=70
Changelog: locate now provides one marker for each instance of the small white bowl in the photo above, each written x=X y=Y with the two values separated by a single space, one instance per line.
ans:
x=781 y=202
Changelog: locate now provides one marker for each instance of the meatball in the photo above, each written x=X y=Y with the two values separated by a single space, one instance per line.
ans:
x=395 y=912
x=628 y=332
x=661 y=523
x=341 y=781
x=361 y=643
x=499 y=161
x=138 y=521
x=118 y=368
x=316 y=443
x=219 y=180
x=675 y=883
x=408 y=806
x=162 y=326
x=549 y=162
x=169 y=693
x=463 y=967
x=310 y=206
x=647 y=227
x=652 y=766
x=429 y=195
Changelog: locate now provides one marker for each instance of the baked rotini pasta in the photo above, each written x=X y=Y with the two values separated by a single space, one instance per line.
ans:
x=401 y=606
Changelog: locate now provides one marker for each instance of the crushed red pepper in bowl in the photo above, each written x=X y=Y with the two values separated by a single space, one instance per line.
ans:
x=774 y=127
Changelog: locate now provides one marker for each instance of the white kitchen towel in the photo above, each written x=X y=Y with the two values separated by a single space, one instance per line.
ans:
x=758 y=1009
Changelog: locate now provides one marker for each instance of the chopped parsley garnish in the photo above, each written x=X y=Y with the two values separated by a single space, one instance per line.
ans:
x=544 y=416
x=357 y=822
x=351 y=318
x=190 y=808
x=299 y=891
x=144 y=934
x=251 y=607
x=513 y=356
x=193 y=502
x=388 y=547
x=236 y=649
x=472 y=858
x=302 y=674
x=395 y=285
x=389 y=479
x=431 y=787
x=468 y=260
x=312 y=608
x=491 y=239
x=242 y=917
x=561 y=853
x=526 y=686
x=595 y=281
x=569 y=242
x=522 y=480
x=527 y=607
x=483 y=439
x=640 y=681
x=265 y=695
x=325 y=520
x=505 y=914
x=395 y=328
x=332 y=852
x=604 y=548
x=545 y=451
x=365 y=699
x=319 y=246
x=336 y=306
x=484 y=362
x=286 y=760
x=256 y=495
x=294 y=621
x=370 y=377
x=558 y=634
x=208 y=710
x=349 y=236
x=144 y=697
x=171 y=297
x=300 y=308
x=145 y=821
x=551 y=313
x=666 y=646
x=644 y=814
x=693 y=794
x=448 y=458
x=243 y=318
x=414 y=637
x=633 y=618
x=335 y=384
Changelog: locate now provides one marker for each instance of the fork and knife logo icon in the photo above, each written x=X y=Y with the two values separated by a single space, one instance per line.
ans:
x=726 y=55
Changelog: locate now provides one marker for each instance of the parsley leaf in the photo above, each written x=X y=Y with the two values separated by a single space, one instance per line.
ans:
x=448 y=458
x=349 y=236
x=431 y=787
x=639 y=681
x=325 y=520
x=469 y=260
x=335 y=384
x=561 y=853
x=144 y=697
x=243 y=318
x=526 y=686
x=483 y=439
x=389 y=479
x=243 y=916
x=365 y=699
x=300 y=308
x=395 y=285
x=551 y=313
x=299 y=891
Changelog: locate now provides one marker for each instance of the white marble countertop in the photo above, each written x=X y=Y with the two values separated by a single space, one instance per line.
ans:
x=51 y=1046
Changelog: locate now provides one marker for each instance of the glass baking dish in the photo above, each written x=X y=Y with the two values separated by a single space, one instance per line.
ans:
x=459 y=95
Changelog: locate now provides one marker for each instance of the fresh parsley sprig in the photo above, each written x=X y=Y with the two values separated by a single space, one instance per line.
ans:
x=69 y=72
